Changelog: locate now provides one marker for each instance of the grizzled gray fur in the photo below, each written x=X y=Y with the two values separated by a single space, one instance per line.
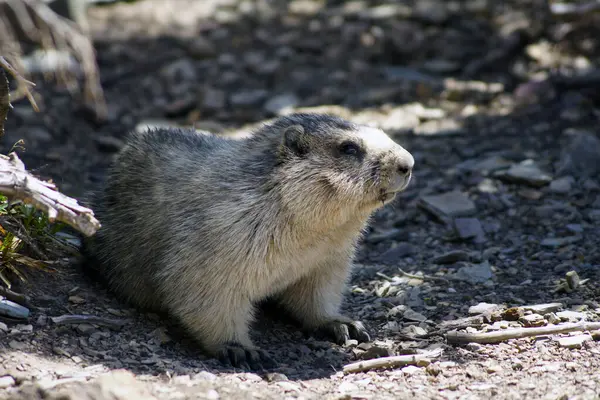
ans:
x=205 y=227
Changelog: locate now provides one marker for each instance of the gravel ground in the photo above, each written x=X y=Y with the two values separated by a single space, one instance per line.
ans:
x=499 y=230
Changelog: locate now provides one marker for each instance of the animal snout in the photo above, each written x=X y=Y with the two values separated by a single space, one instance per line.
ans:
x=404 y=166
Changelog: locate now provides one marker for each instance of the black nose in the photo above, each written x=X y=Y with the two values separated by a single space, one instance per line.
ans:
x=404 y=170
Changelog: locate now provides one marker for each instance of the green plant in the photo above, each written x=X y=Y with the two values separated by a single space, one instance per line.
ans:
x=25 y=236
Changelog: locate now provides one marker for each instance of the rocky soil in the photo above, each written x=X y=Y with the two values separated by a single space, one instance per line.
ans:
x=499 y=230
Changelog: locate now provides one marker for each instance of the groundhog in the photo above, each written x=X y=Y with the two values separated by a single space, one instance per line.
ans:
x=204 y=227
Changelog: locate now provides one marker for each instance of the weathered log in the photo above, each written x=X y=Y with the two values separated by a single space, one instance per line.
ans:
x=18 y=184
x=517 y=333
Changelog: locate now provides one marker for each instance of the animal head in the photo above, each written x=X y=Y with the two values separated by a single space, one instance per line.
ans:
x=328 y=158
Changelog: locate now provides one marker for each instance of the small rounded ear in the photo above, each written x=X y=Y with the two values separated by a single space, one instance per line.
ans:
x=295 y=140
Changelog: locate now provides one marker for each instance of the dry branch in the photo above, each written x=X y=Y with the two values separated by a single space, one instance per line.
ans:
x=392 y=361
x=37 y=22
x=22 y=88
x=423 y=277
x=17 y=183
x=516 y=333
x=15 y=297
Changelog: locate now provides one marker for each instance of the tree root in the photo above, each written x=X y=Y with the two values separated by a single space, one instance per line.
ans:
x=393 y=361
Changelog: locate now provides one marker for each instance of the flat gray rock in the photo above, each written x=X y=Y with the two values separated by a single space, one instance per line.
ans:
x=482 y=308
x=571 y=316
x=469 y=228
x=392 y=255
x=562 y=185
x=532 y=320
x=451 y=257
x=574 y=342
x=7 y=381
x=475 y=273
x=486 y=165
x=580 y=156
x=526 y=172
x=414 y=316
x=544 y=308
x=13 y=310
x=449 y=205
x=560 y=241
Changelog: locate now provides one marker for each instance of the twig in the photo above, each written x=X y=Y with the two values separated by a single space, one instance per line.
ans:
x=15 y=297
x=423 y=277
x=20 y=231
x=392 y=361
x=384 y=276
x=22 y=83
x=38 y=23
x=73 y=319
x=516 y=333
x=17 y=183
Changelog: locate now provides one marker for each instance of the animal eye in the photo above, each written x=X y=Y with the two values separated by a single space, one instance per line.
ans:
x=349 y=148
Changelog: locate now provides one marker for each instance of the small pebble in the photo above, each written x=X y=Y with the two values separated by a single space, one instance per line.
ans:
x=6 y=381
x=495 y=368
x=533 y=320
x=451 y=257
x=475 y=347
x=482 y=308
x=275 y=377
x=543 y=308
x=13 y=344
x=571 y=316
x=76 y=300
x=574 y=342
x=412 y=315
x=410 y=370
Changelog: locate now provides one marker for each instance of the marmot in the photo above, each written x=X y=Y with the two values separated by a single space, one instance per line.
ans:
x=204 y=227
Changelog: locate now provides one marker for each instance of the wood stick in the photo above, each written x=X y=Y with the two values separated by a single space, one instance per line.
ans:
x=15 y=297
x=17 y=183
x=423 y=277
x=392 y=361
x=516 y=333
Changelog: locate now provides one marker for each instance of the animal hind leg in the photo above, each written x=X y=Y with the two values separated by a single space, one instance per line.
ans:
x=222 y=327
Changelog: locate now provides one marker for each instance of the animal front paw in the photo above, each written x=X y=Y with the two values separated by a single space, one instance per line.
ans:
x=341 y=330
x=239 y=356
